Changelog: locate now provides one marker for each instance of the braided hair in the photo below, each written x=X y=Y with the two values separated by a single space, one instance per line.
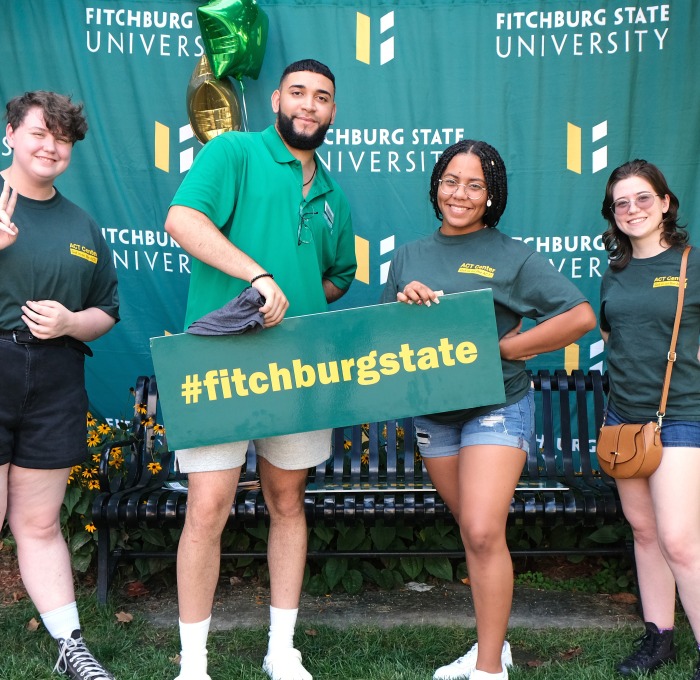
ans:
x=618 y=243
x=494 y=173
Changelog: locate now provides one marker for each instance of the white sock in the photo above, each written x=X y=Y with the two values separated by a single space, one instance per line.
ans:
x=193 y=640
x=62 y=621
x=281 y=635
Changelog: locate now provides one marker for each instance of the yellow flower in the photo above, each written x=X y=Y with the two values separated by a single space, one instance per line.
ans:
x=90 y=528
x=76 y=469
x=347 y=445
x=94 y=440
x=116 y=452
x=103 y=428
x=364 y=458
x=148 y=422
x=154 y=468
x=141 y=409
x=87 y=473
x=158 y=429
x=93 y=484
x=91 y=420
x=96 y=457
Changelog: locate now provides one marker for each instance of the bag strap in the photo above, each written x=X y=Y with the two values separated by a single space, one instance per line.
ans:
x=674 y=337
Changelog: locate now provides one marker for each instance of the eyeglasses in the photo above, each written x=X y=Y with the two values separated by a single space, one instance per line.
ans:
x=304 y=233
x=473 y=190
x=643 y=201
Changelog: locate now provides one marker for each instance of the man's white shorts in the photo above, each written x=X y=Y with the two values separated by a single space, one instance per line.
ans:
x=287 y=452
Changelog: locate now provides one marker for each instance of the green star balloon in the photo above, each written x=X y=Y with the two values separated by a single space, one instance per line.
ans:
x=234 y=33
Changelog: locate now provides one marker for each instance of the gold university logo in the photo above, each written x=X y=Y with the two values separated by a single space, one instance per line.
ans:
x=363 y=38
x=161 y=138
x=574 y=147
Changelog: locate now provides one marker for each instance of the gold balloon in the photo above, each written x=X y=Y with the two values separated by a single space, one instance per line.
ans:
x=212 y=105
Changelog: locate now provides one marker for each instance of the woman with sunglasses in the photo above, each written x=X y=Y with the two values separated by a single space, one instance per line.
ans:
x=475 y=456
x=638 y=297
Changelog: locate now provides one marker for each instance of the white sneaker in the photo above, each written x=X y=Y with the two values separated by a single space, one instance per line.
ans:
x=194 y=669
x=464 y=667
x=285 y=665
x=483 y=675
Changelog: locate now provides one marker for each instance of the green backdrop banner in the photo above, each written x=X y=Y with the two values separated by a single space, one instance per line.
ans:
x=565 y=90
x=330 y=370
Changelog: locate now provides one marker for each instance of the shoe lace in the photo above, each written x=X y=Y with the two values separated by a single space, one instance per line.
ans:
x=648 y=646
x=75 y=653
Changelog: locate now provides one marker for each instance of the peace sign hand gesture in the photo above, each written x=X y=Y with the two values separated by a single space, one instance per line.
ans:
x=8 y=230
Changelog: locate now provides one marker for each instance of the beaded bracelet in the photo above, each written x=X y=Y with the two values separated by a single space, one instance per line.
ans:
x=260 y=276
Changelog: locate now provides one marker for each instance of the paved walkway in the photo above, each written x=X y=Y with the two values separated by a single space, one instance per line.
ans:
x=449 y=604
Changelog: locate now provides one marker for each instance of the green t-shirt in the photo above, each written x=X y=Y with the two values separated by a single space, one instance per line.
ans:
x=250 y=186
x=637 y=308
x=59 y=255
x=523 y=282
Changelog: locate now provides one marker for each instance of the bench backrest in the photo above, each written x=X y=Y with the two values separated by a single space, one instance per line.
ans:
x=569 y=413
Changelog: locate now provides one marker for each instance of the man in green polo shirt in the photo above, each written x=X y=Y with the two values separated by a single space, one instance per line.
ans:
x=259 y=209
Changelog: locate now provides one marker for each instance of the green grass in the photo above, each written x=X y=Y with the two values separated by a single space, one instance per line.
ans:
x=138 y=651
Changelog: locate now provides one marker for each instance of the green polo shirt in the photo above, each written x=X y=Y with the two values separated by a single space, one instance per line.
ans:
x=250 y=186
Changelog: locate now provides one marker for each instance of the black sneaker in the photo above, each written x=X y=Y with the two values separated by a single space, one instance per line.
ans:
x=655 y=649
x=76 y=661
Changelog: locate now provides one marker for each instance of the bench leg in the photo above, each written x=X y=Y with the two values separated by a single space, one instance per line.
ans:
x=106 y=564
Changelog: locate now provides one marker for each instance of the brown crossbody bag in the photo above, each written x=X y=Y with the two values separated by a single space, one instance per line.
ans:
x=634 y=450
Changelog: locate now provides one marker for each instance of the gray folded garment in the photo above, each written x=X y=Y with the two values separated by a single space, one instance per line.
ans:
x=240 y=315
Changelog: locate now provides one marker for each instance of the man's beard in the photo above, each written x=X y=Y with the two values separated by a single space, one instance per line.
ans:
x=297 y=140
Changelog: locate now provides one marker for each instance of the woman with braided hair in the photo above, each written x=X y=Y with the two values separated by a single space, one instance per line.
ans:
x=475 y=456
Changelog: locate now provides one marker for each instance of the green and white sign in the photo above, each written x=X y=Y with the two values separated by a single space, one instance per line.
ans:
x=330 y=370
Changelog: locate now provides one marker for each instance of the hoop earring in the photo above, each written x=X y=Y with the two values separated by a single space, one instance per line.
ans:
x=488 y=203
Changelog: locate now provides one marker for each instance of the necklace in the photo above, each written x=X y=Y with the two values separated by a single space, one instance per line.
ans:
x=313 y=174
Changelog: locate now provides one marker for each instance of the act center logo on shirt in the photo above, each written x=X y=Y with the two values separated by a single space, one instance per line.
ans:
x=667 y=281
x=478 y=269
x=83 y=252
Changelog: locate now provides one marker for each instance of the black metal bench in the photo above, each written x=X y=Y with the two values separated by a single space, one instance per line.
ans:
x=560 y=481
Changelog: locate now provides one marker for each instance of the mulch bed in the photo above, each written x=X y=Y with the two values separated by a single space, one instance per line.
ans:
x=11 y=587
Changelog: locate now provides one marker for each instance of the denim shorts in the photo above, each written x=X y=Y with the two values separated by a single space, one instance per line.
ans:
x=511 y=425
x=43 y=405
x=674 y=433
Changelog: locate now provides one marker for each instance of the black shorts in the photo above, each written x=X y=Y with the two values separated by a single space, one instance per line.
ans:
x=43 y=406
